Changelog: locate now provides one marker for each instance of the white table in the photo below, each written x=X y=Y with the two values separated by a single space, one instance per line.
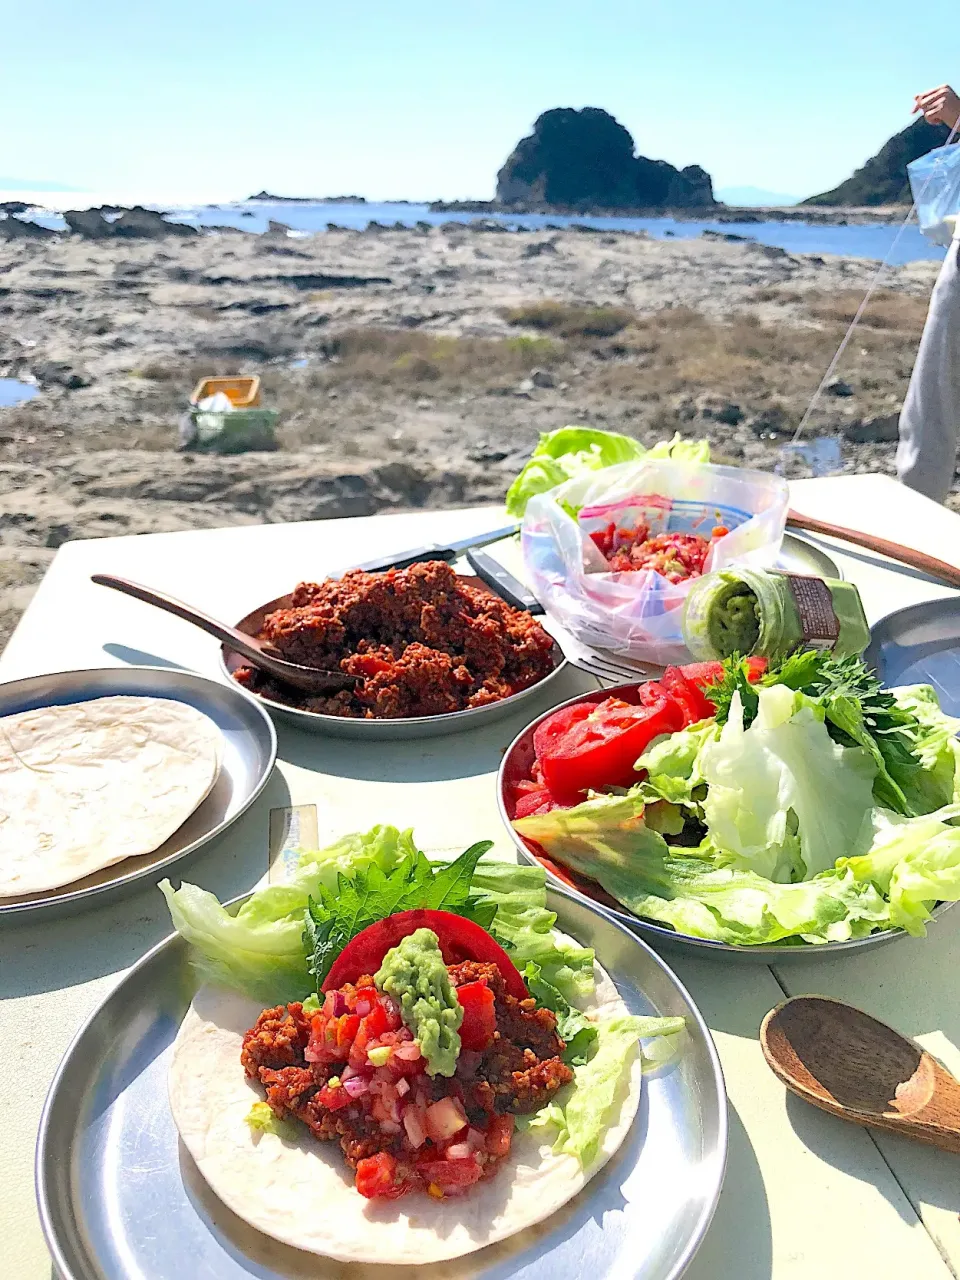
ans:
x=805 y=1195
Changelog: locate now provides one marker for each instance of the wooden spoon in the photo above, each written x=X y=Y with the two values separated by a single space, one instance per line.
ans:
x=847 y=1063
x=930 y=565
x=259 y=653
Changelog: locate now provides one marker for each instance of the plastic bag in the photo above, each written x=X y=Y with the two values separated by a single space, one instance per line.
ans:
x=639 y=613
x=935 y=183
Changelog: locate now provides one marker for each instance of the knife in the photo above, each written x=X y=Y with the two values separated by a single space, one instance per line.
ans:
x=506 y=586
x=438 y=551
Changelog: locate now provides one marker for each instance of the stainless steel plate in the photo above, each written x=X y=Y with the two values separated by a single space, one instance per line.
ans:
x=797 y=555
x=381 y=730
x=516 y=764
x=920 y=645
x=120 y=1198
x=249 y=751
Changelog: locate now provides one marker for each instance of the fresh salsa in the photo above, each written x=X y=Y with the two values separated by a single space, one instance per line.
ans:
x=676 y=556
x=353 y=1072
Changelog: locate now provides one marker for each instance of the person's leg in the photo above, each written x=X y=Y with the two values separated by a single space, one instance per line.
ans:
x=930 y=418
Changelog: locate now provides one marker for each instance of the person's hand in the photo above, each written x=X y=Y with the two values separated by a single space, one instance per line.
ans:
x=939 y=106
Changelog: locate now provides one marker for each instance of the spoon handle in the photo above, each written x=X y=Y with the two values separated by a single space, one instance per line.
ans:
x=226 y=635
x=930 y=565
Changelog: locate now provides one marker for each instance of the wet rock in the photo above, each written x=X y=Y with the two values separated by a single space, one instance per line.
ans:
x=538 y=249
x=878 y=430
x=543 y=378
x=17 y=229
x=771 y=421
x=61 y=373
x=719 y=409
x=839 y=388
x=89 y=223
x=146 y=224
x=277 y=228
x=728 y=236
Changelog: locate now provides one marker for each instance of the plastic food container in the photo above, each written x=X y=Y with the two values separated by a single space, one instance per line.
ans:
x=243 y=393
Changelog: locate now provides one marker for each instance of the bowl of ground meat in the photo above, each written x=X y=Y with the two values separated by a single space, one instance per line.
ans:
x=432 y=651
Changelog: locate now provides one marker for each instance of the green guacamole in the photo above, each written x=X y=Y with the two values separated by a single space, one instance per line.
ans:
x=733 y=623
x=415 y=975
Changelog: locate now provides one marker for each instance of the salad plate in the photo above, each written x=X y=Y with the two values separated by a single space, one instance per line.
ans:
x=120 y=1196
x=248 y=751
x=518 y=764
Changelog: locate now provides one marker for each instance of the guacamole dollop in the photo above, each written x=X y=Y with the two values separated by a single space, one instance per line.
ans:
x=733 y=621
x=415 y=975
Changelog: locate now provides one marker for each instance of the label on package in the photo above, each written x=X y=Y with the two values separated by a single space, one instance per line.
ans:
x=818 y=620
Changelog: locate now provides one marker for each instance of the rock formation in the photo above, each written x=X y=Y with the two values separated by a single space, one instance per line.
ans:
x=585 y=160
x=883 y=179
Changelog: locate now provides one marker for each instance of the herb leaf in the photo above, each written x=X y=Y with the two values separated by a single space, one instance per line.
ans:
x=333 y=918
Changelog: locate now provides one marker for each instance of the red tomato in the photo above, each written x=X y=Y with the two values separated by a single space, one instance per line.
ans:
x=451 y=1175
x=479 y=1019
x=334 y=1098
x=557 y=726
x=537 y=801
x=601 y=749
x=380 y=1177
x=704 y=673
x=460 y=939
x=695 y=704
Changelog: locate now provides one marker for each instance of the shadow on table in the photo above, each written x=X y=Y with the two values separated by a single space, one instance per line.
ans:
x=739 y=1243
x=817 y=1131
x=892 y=566
x=441 y=759
x=67 y=947
x=140 y=657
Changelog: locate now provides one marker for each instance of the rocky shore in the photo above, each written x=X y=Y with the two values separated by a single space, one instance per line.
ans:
x=411 y=367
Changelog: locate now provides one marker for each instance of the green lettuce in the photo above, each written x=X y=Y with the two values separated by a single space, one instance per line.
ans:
x=673 y=765
x=581 y=1110
x=561 y=455
x=259 y=948
x=574 y=1029
x=785 y=763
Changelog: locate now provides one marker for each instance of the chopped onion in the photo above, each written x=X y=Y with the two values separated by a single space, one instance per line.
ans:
x=340 y=1006
x=356 y=1086
x=310 y=1054
x=445 y=1119
x=458 y=1151
x=413 y=1123
x=347 y=1073
x=403 y=1086
x=476 y=1139
x=362 y=1007
x=409 y=1051
x=389 y=1126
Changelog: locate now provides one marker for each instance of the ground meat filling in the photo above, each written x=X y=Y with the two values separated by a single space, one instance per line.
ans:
x=386 y=1117
x=422 y=642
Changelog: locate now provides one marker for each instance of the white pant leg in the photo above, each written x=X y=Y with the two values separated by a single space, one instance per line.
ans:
x=930 y=418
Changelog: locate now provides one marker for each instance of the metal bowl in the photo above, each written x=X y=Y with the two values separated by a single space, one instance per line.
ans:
x=516 y=764
x=249 y=752
x=382 y=730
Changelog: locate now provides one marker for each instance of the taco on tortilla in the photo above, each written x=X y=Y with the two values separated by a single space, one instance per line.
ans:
x=436 y=1094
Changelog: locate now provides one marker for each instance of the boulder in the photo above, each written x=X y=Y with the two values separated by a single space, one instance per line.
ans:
x=883 y=429
x=61 y=373
x=146 y=224
x=17 y=229
x=719 y=409
x=837 y=387
x=89 y=223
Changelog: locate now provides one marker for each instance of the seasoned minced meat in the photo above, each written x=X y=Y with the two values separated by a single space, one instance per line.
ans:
x=422 y=641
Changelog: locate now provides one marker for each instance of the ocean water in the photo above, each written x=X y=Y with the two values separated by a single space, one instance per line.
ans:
x=796 y=237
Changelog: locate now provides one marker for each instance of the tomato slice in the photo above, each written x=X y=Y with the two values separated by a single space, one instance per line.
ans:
x=479 y=1017
x=691 y=698
x=558 y=725
x=460 y=939
x=601 y=748
x=451 y=1175
x=704 y=673
x=538 y=800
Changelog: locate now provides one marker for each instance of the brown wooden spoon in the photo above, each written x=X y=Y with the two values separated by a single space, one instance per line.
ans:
x=929 y=565
x=259 y=653
x=847 y=1063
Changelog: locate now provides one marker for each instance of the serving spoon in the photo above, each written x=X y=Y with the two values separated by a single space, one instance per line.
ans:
x=845 y=1062
x=259 y=653
x=929 y=565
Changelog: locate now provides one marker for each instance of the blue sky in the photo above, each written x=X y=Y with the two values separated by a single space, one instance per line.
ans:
x=205 y=99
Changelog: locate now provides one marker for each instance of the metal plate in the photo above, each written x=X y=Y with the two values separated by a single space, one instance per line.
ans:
x=249 y=751
x=382 y=730
x=121 y=1199
x=797 y=555
x=516 y=763
x=920 y=645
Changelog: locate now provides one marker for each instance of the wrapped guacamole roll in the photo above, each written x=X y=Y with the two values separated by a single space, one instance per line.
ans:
x=756 y=611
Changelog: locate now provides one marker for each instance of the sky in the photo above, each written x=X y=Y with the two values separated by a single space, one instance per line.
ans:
x=194 y=100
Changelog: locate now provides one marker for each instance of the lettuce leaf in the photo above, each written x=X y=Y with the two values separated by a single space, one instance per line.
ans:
x=785 y=763
x=561 y=455
x=260 y=949
x=581 y=1110
x=574 y=1029
x=673 y=765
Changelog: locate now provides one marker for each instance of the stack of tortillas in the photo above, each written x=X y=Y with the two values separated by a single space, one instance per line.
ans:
x=86 y=785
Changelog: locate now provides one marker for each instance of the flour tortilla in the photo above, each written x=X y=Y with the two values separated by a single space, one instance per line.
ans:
x=302 y=1192
x=86 y=785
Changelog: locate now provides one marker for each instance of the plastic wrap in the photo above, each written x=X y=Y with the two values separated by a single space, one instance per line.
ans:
x=639 y=613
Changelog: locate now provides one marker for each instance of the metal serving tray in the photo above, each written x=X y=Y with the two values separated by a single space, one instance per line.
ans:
x=121 y=1199
x=920 y=645
x=249 y=752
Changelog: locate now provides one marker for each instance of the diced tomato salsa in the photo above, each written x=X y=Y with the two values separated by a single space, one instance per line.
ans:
x=353 y=1072
x=676 y=556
